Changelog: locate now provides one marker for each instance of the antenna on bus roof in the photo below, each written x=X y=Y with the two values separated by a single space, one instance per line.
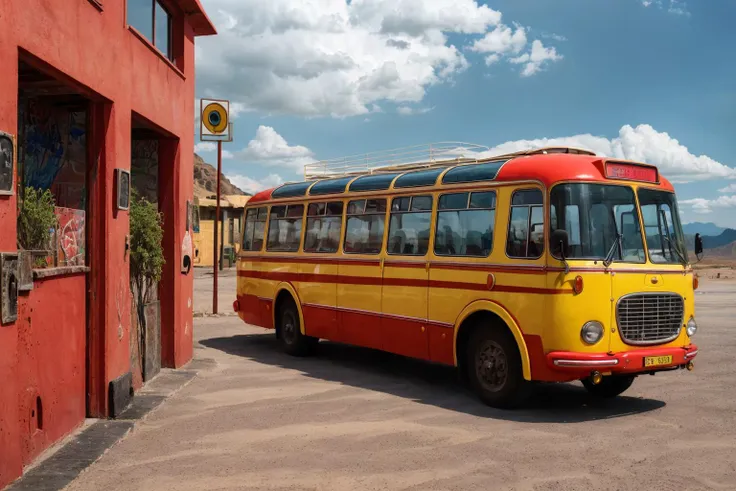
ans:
x=442 y=154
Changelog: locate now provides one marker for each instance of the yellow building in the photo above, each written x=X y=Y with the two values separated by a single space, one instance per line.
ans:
x=231 y=218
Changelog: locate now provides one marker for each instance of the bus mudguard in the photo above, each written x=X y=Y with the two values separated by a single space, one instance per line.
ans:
x=505 y=316
x=288 y=287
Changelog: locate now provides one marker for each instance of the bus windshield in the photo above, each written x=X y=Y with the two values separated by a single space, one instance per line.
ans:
x=601 y=222
x=662 y=227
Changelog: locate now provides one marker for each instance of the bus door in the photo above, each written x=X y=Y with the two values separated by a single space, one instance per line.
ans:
x=406 y=278
x=321 y=242
x=359 y=274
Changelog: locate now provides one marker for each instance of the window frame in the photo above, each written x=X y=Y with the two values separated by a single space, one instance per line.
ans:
x=467 y=208
x=363 y=213
x=324 y=215
x=528 y=224
x=257 y=220
x=170 y=56
x=284 y=218
x=409 y=211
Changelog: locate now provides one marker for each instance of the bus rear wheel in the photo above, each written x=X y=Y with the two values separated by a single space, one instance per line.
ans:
x=611 y=386
x=292 y=340
x=494 y=368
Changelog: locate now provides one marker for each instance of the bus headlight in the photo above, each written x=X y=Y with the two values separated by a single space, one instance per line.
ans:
x=692 y=327
x=592 y=332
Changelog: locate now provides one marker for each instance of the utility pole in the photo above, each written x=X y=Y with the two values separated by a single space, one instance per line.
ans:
x=217 y=218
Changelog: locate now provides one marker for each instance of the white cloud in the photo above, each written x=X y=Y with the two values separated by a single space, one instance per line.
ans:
x=338 y=57
x=731 y=188
x=642 y=144
x=410 y=111
x=200 y=147
x=501 y=40
x=205 y=147
x=252 y=186
x=536 y=58
x=705 y=206
x=268 y=148
x=676 y=7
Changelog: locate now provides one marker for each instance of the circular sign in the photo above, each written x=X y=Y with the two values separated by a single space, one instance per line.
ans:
x=214 y=117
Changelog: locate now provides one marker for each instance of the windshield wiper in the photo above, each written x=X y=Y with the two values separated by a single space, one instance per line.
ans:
x=618 y=242
x=673 y=246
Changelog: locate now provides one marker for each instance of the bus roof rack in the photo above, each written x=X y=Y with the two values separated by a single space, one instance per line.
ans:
x=441 y=154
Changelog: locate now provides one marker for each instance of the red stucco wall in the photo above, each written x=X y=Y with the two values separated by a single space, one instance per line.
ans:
x=45 y=350
x=51 y=361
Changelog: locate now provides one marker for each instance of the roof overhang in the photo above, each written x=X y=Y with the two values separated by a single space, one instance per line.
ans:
x=197 y=18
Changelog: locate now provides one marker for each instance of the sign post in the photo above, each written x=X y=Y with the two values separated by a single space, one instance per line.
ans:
x=215 y=125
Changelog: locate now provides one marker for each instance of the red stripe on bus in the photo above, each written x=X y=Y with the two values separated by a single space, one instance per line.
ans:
x=310 y=260
x=405 y=282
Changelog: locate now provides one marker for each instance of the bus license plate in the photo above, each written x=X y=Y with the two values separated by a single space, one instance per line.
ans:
x=655 y=361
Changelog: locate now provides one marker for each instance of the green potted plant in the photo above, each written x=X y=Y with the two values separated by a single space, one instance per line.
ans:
x=146 y=267
x=36 y=225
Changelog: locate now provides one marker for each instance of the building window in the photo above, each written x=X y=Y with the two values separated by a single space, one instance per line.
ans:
x=153 y=21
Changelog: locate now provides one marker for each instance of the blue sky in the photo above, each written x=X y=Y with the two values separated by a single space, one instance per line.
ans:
x=320 y=79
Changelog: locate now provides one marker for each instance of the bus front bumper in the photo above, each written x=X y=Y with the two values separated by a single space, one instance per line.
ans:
x=627 y=362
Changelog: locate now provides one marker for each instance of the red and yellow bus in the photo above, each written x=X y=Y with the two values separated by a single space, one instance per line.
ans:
x=550 y=265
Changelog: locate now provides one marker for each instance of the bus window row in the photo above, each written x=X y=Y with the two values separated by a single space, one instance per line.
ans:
x=464 y=226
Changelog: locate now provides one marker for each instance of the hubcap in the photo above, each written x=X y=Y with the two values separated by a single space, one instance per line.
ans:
x=288 y=327
x=491 y=366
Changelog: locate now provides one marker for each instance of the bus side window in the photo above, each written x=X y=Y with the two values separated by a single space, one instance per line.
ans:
x=364 y=227
x=526 y=225
x=285 y=228
x=324 y=221
x=408 y=230
x=465 y=224
x=255 y=226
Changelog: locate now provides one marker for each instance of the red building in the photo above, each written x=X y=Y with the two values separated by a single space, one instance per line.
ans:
x=90 y=89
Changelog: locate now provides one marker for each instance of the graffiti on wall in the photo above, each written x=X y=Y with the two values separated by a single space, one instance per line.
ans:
x=71 y=237
x=54 y=151
x=144 y=168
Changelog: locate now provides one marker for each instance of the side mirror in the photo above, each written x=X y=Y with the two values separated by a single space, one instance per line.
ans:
x=698 y=245
x=560 y=243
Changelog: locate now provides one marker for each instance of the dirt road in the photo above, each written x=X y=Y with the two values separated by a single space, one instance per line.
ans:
x=354 y=419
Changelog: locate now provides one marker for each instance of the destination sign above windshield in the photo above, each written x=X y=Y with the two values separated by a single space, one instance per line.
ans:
x=631 y=172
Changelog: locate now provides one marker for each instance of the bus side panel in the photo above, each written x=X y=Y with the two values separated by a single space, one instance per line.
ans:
x=404 y=308
x=247 y=291
x=451 y=289
x=318 y=294
x=359 y=302
x=274 y=272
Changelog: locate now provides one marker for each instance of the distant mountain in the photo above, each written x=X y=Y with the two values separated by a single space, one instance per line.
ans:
x=701 y=228
x=205 y=180
x=726 y=237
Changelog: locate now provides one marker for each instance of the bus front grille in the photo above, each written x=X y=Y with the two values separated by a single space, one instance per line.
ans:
x=650 y=318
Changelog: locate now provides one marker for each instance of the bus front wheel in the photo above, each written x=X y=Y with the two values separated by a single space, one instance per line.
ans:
x=293 y=341
x=611 y=386
x=494 y=368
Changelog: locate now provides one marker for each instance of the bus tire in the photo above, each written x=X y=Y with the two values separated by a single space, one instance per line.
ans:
x=610 y=386
x=494 y=368
x=289 y=331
